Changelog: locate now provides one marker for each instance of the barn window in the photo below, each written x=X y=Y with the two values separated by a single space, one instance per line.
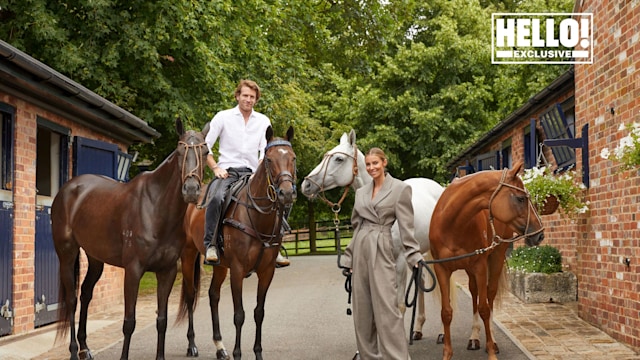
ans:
x=555 y=126
x=488 y=161
x=51 y=157
x=6 y=152
x=505 y=154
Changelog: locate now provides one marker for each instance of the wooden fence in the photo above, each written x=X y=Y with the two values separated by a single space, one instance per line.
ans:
x=325 y=230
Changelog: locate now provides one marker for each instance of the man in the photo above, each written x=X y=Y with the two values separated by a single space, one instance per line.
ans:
x=241 y=133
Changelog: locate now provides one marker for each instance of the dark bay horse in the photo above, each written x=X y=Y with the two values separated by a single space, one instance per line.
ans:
x=460 y=226
x=252 y=238
x=136 y=226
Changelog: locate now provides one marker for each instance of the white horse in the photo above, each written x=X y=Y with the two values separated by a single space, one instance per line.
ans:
x=344 y=166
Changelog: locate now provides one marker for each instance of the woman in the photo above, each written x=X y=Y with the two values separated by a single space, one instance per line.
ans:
x=378 y=322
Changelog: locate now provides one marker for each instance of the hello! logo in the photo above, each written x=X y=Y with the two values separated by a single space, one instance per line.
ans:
x=534 y=38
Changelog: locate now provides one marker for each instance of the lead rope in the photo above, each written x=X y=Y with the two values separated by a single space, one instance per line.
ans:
x=345 y=270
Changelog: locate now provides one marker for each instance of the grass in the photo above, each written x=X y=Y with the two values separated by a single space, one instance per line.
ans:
x=326 y=246
x=149 y=284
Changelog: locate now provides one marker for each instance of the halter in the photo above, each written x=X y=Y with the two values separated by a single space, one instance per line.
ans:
x=335 y=207
x=496 y=239
x=199 y=169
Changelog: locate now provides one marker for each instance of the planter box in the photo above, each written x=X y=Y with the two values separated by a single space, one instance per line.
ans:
x=532 y=288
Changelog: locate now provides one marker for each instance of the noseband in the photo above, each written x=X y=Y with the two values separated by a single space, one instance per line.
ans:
x=496 y=239
x=198 y=171
x=336 y=207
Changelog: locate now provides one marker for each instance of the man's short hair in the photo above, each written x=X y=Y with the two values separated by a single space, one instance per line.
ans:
x=250 y=84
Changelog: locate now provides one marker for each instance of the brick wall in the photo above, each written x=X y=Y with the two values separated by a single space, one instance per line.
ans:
x=609 y=291
x=109 y=288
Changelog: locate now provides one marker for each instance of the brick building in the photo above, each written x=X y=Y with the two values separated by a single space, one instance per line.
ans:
x=595 y=98
x=52 y=129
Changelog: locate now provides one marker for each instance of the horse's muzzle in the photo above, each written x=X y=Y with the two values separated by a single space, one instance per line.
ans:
x=191 y=190
x=309 y=189
x=287 y=195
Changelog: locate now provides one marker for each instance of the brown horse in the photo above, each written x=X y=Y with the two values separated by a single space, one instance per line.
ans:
x=252 y=238
x=497 y=280
x=136 y=226
x=460 y=228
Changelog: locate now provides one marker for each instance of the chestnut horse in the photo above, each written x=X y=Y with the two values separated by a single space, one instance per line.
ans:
x=252 y=237
x=462 y=236
x=136 y=226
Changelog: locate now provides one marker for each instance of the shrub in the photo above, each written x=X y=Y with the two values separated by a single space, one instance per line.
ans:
x=541 y=259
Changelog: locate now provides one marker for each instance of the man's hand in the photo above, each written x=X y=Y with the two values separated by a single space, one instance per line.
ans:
x=220 y=173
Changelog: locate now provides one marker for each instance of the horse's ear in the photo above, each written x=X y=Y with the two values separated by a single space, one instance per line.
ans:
x=269 y=133
x=516 y=169
x=205 y=129
x=179 y=127
x=344 y=139
x=352 y=137
x=290 y=134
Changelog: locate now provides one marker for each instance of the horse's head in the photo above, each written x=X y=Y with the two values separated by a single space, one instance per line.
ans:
x=280 y=164
x=511 y=204
x=338 y=168
x=192 y=158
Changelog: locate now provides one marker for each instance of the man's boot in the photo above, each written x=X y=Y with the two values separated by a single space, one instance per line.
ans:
x=282 y=261
x=212 y=254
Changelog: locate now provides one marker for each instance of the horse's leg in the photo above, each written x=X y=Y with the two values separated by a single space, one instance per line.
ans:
x=94 y=272
x=497 y=281
x=165 y=283
x=237 y=278
x=219 y=274
x=444 y=278
x=69 y=267
x=480 y=272
x=190 y=267
x=264 y=281
x=132 y=275
x=474 y=339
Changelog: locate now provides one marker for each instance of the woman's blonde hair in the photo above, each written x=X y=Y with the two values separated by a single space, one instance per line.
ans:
x=375 y=151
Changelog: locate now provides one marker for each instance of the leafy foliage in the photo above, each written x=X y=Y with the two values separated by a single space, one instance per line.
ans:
x=536 y=259
x=410 y=76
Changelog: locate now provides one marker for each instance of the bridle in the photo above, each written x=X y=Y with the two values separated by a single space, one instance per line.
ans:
x=273 y=184
x=198 y=171
x=496 y=239
x=326 y=159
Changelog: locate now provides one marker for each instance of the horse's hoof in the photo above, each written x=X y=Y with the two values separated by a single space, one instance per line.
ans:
x=85 y=354
x=474 y=344
x=222 y=354
x=417 y=335
x=440 y=339
x=192 y=352
x=495 y=347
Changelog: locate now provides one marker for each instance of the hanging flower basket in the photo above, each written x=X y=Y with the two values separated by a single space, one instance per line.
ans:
x=550 y=205
x=555 y=192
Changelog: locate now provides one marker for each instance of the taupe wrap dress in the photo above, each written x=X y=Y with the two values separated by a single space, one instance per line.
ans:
x=378 y=322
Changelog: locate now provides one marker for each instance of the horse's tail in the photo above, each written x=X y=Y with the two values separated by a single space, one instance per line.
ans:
x=65 y=314
x=503 y=286
x=190 y=292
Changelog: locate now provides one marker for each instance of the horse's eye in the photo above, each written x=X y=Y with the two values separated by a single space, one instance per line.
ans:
x=339 y=159
x=521 y=199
